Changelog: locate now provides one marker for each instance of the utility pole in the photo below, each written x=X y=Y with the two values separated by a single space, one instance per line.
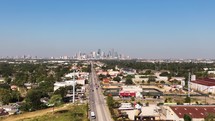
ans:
x=73 y=84
x=188 y=84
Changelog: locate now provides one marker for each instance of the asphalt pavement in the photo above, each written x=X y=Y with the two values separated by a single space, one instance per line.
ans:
x=96 y=99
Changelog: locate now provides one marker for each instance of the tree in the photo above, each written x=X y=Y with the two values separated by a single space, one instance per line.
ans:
x=61 y=91
x=162 y=82
x=151 y=79
x=148 y=72
x=128 y=81
x=56 y=100
x=210 y=117
x=164 y=74
x=148 y=81
x=33 y=99
x=132 y=99
x=8 y=80
x=5 y=96
x=175 y=81
x=118 y=79
x=187 y=99
x=15 y=96
x=110 y=101
x=187 y=118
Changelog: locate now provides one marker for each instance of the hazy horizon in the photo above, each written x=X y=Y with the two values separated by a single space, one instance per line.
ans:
x=140 y=29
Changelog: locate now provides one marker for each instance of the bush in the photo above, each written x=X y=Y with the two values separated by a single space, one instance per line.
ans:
x=132 y=99
x=147 y=103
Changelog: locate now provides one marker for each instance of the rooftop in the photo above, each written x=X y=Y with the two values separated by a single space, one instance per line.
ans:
x=205 y=81
x=193 y=111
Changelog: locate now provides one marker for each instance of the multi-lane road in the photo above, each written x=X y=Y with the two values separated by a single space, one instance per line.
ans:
x=96 y=99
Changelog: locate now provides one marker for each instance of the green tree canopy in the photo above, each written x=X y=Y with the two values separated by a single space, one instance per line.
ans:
x=118 y=79
x=5 y=96
x=33 y=99
x=187 y=99
x=56 y=100
x=187 y=117
x=210 y=117
x=128 y=81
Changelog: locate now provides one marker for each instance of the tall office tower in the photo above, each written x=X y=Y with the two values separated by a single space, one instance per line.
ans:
x=109 y=54
x=79 y=55
x=116 y=55
x=99 y=52
x=112 y=53
x=102 y=54
x=94 y=54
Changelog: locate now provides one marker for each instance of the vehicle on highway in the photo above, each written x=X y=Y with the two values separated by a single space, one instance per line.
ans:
x=92 y=115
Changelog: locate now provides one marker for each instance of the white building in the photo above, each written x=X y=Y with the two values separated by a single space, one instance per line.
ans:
x=126 y=106
x=137 y=89
x=203 y=85
x=57 y=85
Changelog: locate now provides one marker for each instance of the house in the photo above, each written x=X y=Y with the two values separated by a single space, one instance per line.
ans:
x=205 y=85
x=44 y=100
x=30 y=85
x=2 y=81
x=57 y=85
x=11 y=109
x=106 y=81
x=126 y=106
x=113 y=73
x=3 y=112
x=102 y=72
x=13 y=87
x=196 y=112
x=129 y=71
x=81 y=81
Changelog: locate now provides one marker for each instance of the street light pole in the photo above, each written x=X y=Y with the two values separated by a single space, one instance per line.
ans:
x=73 y=86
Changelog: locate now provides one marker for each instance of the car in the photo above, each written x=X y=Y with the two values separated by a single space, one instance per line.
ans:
x=92 y=115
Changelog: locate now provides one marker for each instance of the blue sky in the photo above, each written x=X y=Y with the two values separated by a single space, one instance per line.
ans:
x=141 y=28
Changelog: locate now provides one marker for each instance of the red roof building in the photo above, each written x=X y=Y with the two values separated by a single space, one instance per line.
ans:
x=205 y=81
x=197 y=112
x=205 y=85
x=127 y=94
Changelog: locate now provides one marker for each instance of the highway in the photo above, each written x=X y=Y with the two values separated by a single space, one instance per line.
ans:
x=96 y=99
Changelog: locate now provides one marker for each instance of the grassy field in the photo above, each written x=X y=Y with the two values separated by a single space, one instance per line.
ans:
x=66 y=113
x=76 y=113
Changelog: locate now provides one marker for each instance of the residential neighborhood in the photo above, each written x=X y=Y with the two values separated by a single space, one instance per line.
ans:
x=129 y=93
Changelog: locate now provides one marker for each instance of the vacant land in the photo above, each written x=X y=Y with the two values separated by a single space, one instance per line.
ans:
x=65 y=113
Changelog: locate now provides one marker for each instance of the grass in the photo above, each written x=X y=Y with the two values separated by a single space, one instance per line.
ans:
x=62 y=113
x=76 y=113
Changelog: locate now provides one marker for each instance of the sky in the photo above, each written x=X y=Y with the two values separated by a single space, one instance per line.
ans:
x=138 y=28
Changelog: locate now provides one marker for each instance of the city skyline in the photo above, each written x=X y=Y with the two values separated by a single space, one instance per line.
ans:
x=80 y=55
x=140 y=29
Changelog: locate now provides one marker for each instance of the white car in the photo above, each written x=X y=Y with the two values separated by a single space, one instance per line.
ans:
x=93 y=115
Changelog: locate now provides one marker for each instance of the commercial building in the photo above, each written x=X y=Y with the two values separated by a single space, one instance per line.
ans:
x=205 y=85
x=196 y=112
